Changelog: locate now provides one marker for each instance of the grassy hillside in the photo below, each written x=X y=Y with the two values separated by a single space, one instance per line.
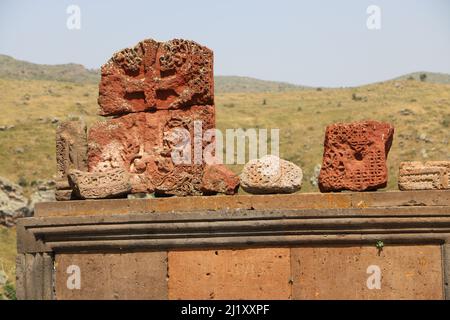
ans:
x=11 y=68
x=7 y=260
x=432 y=77
x=33 y=108
x=227 y=84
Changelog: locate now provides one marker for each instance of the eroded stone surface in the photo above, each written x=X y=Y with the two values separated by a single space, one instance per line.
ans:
x=111 y=276
x=355 y=155
x=71 y=153
x=424 y=175
x=157 y=75
x=100 y=185
x=351 y=272
x=143 y=143
x=271 y=174
x=218 y=178
x=260 y=273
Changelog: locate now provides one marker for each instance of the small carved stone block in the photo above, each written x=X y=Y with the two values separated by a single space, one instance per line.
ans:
x=100 y=185
x=354 y=156
x=431 y=175
x=71 y=153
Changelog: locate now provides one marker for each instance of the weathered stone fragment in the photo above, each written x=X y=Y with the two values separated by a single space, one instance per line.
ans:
x=271 y=174
x=100 y=185
x=354 y=156
x=424 y=175
x=64 y=194
x=157 y=75
x=71 y=153
x=144 y=143
x=217 y=178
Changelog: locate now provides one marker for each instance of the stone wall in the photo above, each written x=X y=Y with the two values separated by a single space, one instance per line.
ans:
x=375 y=245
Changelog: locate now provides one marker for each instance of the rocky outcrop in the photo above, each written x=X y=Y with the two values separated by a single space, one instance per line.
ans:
x=13 y=204
x=45 y=192
x=270 y=174
x=354 y=156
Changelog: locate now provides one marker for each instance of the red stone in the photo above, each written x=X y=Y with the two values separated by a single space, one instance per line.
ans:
x=157 y=75
x=354 y=156
x=142 y=144
x=217 y=178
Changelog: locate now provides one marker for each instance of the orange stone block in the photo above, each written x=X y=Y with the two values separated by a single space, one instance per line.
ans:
x=123 y=276
x=230 y=274
x=405 y=272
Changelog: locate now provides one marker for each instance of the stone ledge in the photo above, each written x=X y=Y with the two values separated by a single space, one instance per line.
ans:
x=245 y=202
x=235 y=228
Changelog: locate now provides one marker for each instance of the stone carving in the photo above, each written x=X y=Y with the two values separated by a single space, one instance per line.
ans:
x=218 y=178
x=142 y=143
x=355 y=155
x=271 y=174
x=161 y=95
x=99 y=185
x=71 y=153
x=157 y=75
x=424 y=175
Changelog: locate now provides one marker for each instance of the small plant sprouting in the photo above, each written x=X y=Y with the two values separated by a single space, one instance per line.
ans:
x=379 y=245
x=9 y=291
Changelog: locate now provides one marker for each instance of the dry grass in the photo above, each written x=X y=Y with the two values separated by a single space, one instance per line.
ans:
x=7 y=255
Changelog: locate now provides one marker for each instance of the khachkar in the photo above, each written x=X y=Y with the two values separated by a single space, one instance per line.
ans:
x=153 y=93
x=354 y=156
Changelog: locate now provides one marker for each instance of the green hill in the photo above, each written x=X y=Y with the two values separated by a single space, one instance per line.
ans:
x=11 y=68
x=432 y=77
x=226 y=84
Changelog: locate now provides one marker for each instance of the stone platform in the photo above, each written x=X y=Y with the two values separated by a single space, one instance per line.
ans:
x=299 y=246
